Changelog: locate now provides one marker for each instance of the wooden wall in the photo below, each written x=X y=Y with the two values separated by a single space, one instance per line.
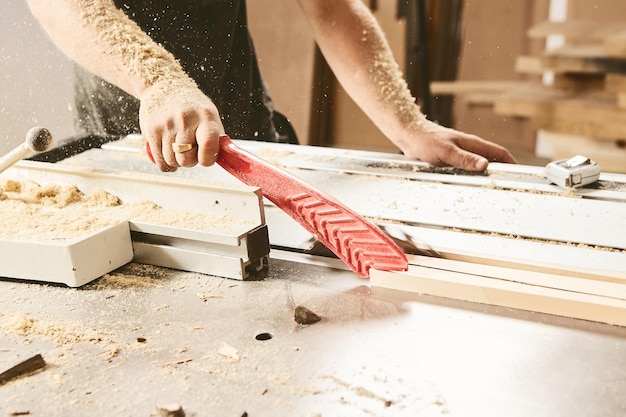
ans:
x=286 y=53
x=597 y=10
x=494 y=35
x=348 y=125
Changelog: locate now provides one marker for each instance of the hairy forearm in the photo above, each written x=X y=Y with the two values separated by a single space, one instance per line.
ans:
x=360 y=57
x=101 y=38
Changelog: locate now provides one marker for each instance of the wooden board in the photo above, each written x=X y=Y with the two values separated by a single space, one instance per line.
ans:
x=577 y=30
x=609 y=36
x=462 y=281
x=581 y=59
x=587 y=115
x=523 y=254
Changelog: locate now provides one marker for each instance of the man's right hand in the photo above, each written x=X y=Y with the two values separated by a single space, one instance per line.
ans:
x=181 y=125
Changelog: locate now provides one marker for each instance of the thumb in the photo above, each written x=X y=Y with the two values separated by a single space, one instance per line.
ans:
x=467 y=160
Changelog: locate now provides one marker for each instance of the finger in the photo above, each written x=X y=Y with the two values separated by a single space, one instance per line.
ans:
x=155 y=145
x=168 y=138
x=491 y=151
x=185 y=149
x=207 y=137
x=468 y=161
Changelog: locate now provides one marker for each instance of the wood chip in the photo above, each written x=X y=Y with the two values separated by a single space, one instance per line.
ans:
x=23 y=368
x=304 y=316
x=229 y=352
x=170 y=410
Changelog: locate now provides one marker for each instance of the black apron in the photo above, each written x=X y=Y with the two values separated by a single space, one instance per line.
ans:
x=210 y=38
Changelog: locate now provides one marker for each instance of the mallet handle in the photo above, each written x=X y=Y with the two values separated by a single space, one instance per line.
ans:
x=13 y=156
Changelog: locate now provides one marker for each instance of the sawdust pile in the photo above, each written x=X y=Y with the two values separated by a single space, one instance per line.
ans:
x=62 y=334
x=31 y=212
x=48 y=213
x=149 y=212
x=131 y=276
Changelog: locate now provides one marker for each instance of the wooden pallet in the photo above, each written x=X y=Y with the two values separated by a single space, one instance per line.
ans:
x=610 y=36
x=587 y=97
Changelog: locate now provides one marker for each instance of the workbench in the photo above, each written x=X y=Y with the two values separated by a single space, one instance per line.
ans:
x=143 y=337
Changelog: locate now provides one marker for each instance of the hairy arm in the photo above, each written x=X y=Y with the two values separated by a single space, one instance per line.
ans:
x=102 y=39
x=358 y=53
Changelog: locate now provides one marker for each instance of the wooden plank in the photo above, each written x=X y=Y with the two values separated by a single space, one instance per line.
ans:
x=616 y=83
x=580 y=285
x=481 y=208
x=477 y=92
x=610 y=155
x=579 y=83
x=585 y=59
x=477 y=86
x=503 y=293
x=610 y=36
x=525 y=64
x=569 y=260
x=579 y=114
x=580 y=30
x=233 y=241
x=615 y=45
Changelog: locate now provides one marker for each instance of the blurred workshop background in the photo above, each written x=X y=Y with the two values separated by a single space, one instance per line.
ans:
x=456 y=41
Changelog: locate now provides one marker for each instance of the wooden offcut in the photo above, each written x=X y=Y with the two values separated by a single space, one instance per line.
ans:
x=508 y=287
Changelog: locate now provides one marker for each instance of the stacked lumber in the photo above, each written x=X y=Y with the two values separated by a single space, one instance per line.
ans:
x=583 y=110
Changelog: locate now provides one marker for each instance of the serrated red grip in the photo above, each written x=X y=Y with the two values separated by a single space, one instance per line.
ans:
x=356 y=241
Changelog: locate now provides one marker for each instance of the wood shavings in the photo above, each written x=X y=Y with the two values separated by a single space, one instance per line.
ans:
x=205 y=297
x=64 y=334
x=117 y=280
x=61 y=333
x=33 y=212
x=132 y=275
x=175 y=363
x=229 y=352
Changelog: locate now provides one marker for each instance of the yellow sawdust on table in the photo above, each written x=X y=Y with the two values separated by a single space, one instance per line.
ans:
x=32 y=212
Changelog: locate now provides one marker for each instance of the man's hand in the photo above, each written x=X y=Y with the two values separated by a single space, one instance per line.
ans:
x=440 y=145
x=181 y=125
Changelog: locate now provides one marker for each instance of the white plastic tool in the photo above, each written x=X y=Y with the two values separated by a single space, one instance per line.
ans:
x=38 y=139
x=573 y=172
x=72 y=262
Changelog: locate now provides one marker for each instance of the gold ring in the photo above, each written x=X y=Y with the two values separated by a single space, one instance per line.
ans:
x=182 y=147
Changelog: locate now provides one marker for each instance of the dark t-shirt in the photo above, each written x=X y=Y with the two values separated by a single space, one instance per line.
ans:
x=210 y=38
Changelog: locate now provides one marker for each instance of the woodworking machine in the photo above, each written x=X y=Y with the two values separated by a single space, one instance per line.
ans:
x=528 y=255
x=512 y=215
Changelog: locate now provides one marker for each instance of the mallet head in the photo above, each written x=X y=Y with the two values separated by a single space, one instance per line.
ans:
x=39 y=139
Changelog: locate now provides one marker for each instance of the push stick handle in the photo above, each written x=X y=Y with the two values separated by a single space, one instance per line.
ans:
x=38 y=139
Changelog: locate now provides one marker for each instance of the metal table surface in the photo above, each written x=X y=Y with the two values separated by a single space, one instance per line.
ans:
x=124 y=344
x=145 y=336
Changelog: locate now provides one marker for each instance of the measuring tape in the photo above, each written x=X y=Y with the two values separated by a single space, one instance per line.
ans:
x=573 y=172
